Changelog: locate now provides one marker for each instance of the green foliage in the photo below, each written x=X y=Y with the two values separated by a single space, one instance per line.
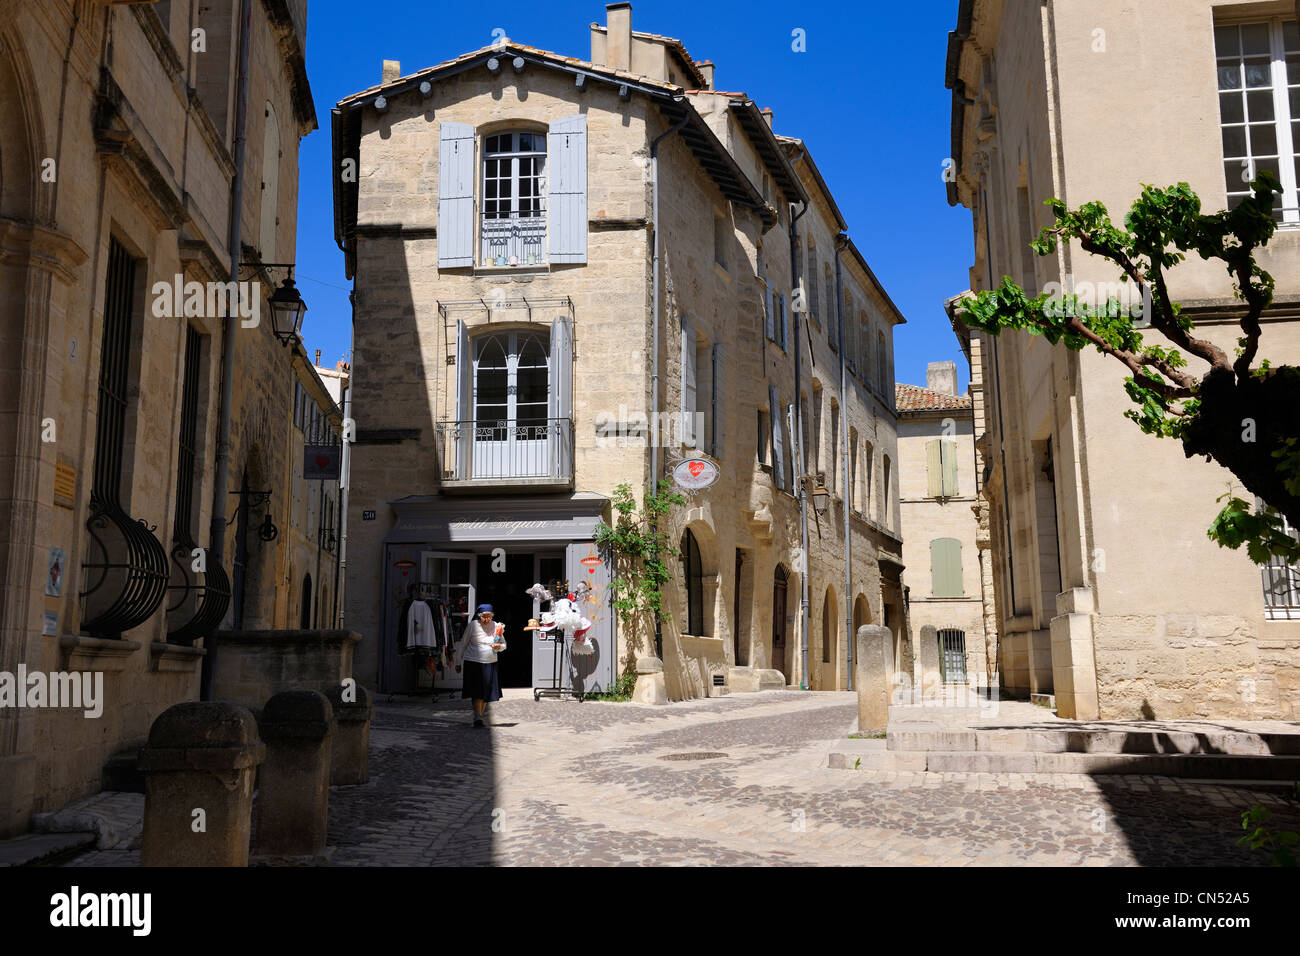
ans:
x=620 y=691
x=1161 y=227
x=638 y=547
x=1260 y=531
x=1279 y=845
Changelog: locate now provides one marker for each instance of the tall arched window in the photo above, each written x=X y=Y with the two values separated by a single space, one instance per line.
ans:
x=511 y=390
x=304 y=617
x=514 y=203
x=828 y=630
x=270 y=204
x=693 y=575
x=780 y=587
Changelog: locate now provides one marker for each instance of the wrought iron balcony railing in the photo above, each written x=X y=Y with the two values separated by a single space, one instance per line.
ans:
x=534 y=450
x=1281 y=591
x=514 y=240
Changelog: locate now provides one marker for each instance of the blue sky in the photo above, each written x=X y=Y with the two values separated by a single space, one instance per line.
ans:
x=867 y=96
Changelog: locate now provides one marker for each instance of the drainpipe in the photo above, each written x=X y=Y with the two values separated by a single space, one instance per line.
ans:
x=841 y=242
x=217 y=534
x=654 y=351
x=340 y=567
x=798 y=415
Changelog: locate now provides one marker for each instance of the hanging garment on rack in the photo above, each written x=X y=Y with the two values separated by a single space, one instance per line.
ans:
x=402 y=646
x=438 y=615
x=419 y=626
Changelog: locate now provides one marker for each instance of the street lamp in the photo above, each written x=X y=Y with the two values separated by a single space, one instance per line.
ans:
x=821 y=498
x=287 y=307
x=287 y=310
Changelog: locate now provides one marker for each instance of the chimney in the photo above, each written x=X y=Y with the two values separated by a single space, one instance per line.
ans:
x=941 y=377
x=767 y=115
x=618 y=36
x=706 y=68
x=317 y=362
x=392 y=71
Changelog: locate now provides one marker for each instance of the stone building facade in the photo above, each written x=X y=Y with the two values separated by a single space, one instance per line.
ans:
x=1110 y=595
x=938 y=494
x=116 y=166
x=522 y=349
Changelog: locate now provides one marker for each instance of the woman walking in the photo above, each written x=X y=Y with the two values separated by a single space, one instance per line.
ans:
x=478 y=651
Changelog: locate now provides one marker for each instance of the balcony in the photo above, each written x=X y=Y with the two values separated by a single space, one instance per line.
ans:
x=513 y=241
x=533 y=455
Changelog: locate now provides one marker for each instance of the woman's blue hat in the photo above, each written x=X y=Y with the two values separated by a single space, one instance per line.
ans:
x=484 y=609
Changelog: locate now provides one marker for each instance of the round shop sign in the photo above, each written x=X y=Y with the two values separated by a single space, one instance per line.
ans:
x=695 y=473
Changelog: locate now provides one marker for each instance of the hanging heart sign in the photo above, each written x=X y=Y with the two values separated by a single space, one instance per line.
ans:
x=695 y=473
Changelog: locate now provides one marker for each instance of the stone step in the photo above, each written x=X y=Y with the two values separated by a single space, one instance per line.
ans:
x=1129 y=741
x=1194 y=765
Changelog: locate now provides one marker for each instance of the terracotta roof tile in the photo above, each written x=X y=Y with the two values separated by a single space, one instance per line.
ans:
x=914 y=398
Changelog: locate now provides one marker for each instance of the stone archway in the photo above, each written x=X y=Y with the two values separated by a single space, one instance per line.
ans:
x=782 y=646
x=828 y=670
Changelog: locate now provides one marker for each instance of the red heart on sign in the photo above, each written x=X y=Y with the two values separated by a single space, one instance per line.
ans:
x=695 y=467
x=322 y=461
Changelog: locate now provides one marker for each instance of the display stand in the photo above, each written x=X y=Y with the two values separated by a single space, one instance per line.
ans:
x=561 y=659
x=557 y=689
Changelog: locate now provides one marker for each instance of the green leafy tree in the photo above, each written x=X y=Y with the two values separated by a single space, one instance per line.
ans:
x=1241 y=413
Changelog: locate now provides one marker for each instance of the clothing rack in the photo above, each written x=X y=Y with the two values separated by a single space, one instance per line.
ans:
x=430 y=591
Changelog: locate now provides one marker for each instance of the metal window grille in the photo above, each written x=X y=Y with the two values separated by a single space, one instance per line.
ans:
x=198 y=598
x=1281 y=584
x=952 y=655
x=125 y=567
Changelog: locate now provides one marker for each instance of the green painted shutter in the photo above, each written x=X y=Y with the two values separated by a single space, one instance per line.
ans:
x=945 y=567
x=949 y=454
x=933 y=468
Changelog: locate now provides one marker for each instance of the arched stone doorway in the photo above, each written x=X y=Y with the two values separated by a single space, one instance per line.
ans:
x=828 y=674
x=780 y=644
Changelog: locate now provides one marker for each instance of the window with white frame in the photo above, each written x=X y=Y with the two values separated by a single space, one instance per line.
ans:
x=514 y=191
x=1281 y=581
x=1259 y=109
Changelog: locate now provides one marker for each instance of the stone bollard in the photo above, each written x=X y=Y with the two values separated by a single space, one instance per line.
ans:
x=198 y=767
x=874 y=675
x=350 y=752
x=928 y=654
x=293 y=794
x=650 y=687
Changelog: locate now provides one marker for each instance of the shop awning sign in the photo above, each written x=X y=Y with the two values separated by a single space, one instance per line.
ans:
x=694 y=474
x=322 y=462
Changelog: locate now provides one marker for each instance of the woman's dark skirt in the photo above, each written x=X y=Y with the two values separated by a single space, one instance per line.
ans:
x=481 y=682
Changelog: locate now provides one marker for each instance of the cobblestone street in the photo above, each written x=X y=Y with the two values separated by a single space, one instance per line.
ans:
x=739 y=780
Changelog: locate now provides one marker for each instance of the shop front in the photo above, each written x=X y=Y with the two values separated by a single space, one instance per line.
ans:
x=453 y=554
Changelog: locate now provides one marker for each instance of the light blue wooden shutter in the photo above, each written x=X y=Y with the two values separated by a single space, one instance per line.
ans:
x=455 y=195
x=688 y=385
x=769 y=312
x=778 y=446
x=462 y=432
x=719 y=403
x=793 y=474
x=561 y=397
x=567 y=162
x=945 y=567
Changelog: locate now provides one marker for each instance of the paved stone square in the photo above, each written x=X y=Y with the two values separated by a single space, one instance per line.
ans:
x=737 y=780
